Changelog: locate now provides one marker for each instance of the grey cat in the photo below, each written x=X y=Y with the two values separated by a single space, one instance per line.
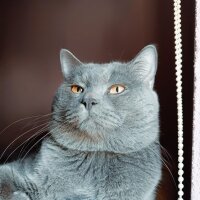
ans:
x=104 y=136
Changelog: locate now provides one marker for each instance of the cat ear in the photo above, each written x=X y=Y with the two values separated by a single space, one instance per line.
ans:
x=68 y=61
x=144 y=65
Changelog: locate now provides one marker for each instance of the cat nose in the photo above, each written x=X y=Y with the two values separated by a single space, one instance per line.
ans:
x=89 y=102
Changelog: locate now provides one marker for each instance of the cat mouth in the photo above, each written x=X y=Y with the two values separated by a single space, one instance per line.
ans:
x=94 y=119
x=85 y=117
x=89 y=118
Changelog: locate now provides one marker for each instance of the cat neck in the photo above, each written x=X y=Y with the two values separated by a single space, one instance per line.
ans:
x=51 y=144
x=52 y=149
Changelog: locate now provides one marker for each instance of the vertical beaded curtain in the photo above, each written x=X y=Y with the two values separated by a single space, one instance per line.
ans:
x=178 y=64
x=195 y=190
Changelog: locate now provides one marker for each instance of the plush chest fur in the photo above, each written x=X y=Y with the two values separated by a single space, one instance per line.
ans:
x=96 y=175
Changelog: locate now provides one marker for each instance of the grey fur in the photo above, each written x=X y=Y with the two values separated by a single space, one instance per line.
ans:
x=108 y=152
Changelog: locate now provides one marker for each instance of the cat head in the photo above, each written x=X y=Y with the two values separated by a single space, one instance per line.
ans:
x=107 y=107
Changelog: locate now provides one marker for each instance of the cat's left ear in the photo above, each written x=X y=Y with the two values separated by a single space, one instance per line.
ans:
x=144 y=65
x=68 y=62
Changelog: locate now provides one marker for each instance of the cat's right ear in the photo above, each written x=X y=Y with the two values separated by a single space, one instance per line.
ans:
x=68 y=62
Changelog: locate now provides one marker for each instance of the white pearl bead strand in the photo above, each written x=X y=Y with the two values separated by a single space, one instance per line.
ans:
x=178 y=63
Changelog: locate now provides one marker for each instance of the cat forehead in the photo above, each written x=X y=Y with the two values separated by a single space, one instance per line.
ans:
x=95 y=72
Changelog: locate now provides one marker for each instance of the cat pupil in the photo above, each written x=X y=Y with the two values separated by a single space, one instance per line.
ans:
x=117 y=89
x=79 y=89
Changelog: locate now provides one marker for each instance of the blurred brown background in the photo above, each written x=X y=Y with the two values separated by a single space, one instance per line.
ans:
x=33 y=32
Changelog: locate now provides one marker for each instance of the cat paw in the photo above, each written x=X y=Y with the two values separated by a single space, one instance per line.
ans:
x=6 y=193
x=18 y=195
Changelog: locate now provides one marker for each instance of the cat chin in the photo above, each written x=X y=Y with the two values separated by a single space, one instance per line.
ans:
x=88 y=125
x=91 y=139
x=93 y=126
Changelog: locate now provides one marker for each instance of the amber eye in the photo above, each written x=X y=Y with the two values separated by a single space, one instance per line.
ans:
x=76 y=89
x=116 y=89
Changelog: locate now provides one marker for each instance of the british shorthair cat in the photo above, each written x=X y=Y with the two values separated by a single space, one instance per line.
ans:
x=103 y=141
